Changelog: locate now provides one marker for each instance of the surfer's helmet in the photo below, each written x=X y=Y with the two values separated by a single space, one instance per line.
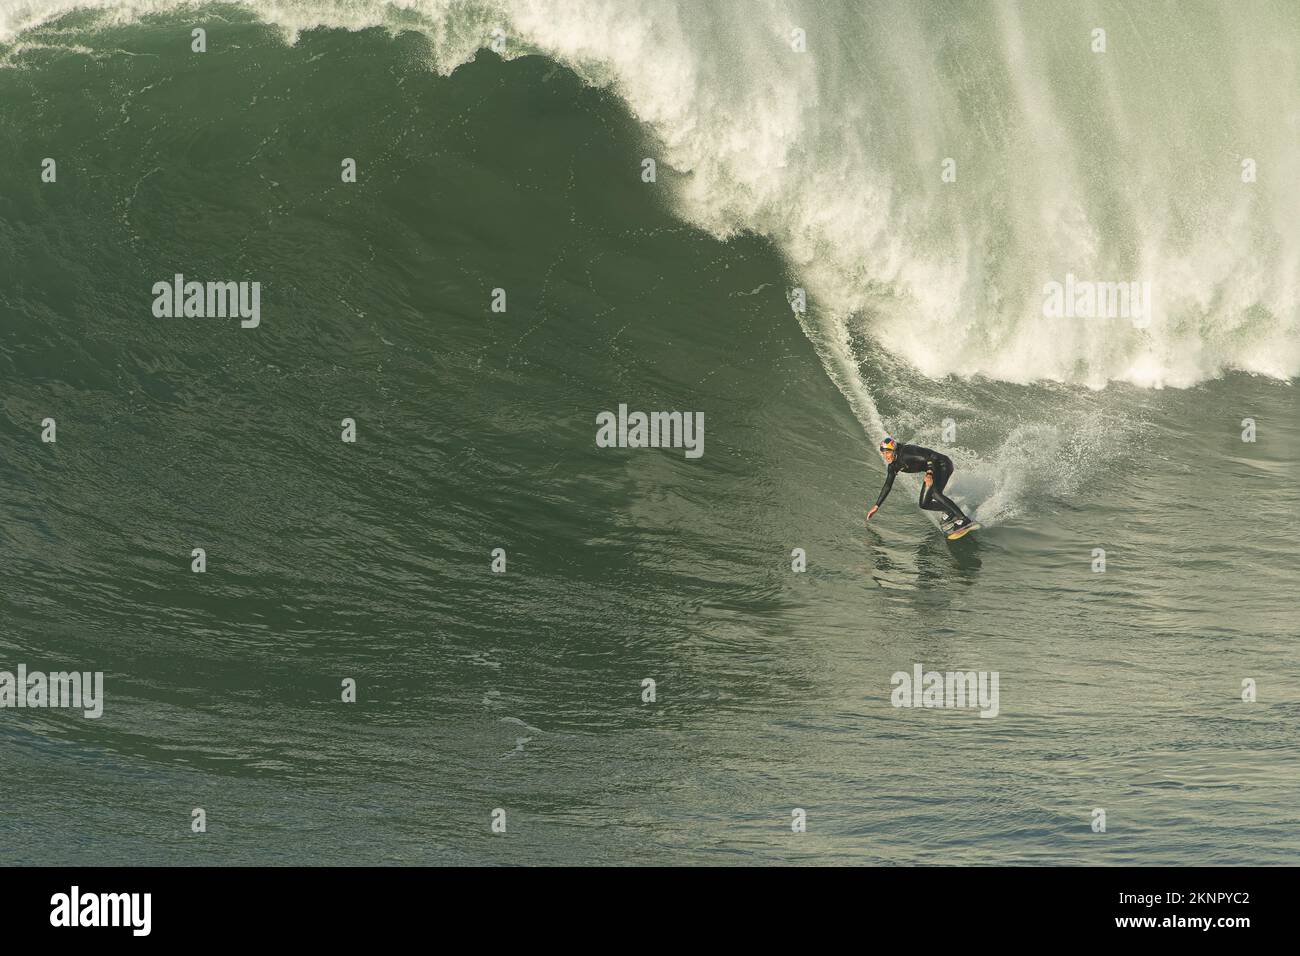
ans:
x=888 y=444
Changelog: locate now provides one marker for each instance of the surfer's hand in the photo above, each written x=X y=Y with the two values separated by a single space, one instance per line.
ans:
x=929 y=478
x=874 y=509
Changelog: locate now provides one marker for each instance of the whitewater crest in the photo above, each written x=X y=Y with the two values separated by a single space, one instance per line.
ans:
x=930 y=178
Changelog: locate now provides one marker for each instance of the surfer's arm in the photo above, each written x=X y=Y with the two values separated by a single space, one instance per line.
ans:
x=884 y=492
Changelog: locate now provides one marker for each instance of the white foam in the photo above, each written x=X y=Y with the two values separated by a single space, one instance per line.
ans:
x=1123 y=165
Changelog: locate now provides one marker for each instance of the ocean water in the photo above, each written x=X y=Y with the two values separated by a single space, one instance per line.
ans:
x=1170 y=158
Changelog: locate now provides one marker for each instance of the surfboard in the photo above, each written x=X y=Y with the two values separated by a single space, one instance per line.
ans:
x=961 y=532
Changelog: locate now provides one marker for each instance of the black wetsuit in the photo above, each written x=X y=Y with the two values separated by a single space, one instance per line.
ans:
x=913 y=459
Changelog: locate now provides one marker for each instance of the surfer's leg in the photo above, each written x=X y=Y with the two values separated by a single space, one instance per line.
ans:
x=930 y=493
x=933 y=498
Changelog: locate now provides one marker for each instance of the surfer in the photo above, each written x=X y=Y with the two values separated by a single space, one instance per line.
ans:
x=938 y=469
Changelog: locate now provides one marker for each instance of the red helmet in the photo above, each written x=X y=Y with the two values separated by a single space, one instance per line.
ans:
x=888 y=444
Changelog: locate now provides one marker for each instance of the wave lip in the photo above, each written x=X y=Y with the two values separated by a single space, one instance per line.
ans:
x=932 y=177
